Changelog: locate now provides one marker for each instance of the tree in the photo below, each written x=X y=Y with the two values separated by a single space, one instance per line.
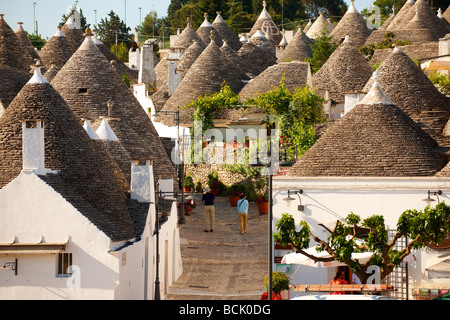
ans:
x=322 y=49
x=422 y=227
x=36 y=40
x=152 y=26
x=112 y=30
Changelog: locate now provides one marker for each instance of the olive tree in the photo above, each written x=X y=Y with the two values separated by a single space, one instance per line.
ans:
x=421 y=228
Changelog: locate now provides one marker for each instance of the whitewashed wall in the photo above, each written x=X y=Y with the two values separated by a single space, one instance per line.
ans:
x=327 y=199
x=30 y=211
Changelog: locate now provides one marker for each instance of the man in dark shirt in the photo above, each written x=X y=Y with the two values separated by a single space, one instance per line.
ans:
x=208 y=199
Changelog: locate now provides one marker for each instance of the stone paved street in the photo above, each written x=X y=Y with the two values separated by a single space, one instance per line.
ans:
x=224 y=264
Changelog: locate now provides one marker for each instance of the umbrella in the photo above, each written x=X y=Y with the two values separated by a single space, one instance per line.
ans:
x=437 y=64
x=299 y=258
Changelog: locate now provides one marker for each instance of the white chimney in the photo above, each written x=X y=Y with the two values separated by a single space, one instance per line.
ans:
x=33 y=146
x=174 y=77
x=142 y=181
x=147 y=73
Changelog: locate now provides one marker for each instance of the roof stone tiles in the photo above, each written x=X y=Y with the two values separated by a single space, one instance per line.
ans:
x=266 y=24
x=294 y=74
x=225 y=33
x=256 y=60
x=375 y=139
x=299 y=48
x=12 y=51
x=81 y=173
x=22 y=35
x=353 y=25
x=345 y=71
x=57 y=51
x=93 y=89
x=411 y=90
x=321 y=25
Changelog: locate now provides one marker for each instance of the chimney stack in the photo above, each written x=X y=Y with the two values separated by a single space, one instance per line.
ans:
x=33 y=146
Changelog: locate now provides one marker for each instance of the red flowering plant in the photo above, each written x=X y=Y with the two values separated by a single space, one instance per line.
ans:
x=262 y=198
x=275 y=296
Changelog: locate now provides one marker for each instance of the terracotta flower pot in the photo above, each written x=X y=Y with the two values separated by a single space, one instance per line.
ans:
x=234 y=200
x=187 y=189
x=263 y=207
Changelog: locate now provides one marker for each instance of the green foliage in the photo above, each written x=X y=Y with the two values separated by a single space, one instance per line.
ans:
x=36 y=40
x=198 y=187
x=111 y=29
x=295 y=113
x=322 y=49
x=280 y=282
x=441 y=81
x=121 y=52
x=388 y=42
x=421 y=227
x=188 y=181
x=207 y=105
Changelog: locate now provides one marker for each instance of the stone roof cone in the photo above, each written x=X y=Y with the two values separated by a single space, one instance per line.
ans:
x=409 y=88
x=184 y=40
x=320 y=25
x=225 y=33
x=89 y=85
x=375 y=139
x=21 y=34
x=189 y=57
x=266 y=24
x=295 y=75
x=13 y=52
x=57 y=51
x=346 y=70
x=298 y=49
x=256 y=60
x=446 y=14
x=204 y=32
x=73 y=33
x=81 y=172
x=391 y=18
x=354 y=25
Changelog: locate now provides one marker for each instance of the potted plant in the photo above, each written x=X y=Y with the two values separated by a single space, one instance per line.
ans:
x=234 y=193
x=215 y=186
x=263 y=204
x=280 y=282
x=188 y=183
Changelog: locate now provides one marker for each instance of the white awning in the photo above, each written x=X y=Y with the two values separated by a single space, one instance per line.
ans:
x=437 y=64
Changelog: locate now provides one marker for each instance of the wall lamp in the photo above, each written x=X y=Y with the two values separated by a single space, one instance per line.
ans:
x=298 y=193
x=433 y=193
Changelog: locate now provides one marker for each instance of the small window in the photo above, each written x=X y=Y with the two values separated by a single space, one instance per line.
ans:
x=64 y=265
x=82 y=90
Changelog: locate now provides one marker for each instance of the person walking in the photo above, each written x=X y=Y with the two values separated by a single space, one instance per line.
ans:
x=208 y=199
x=243 y=213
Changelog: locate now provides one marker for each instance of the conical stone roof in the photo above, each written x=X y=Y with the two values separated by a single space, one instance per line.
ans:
x=405 y=15
x=11 y=82
x=374 y=139
x=12 y=51
x=446 y=14
x=82 y=174
x=345 y=71
x=353 y=25
x=21 y=34
x=189 y=57
x=225 y=33
x=294 y=75
x=319 y=26
x=73 y=33
x=93 y=90
x=298 y=49
x=386 y=24
x=265 y=23
x=186 y=37
x=411 y=90
x=206 y=76
x=57 y=51
x=204 y=32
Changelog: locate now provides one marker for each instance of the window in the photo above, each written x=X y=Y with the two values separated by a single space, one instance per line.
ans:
x=64 y=265
x=82 y=90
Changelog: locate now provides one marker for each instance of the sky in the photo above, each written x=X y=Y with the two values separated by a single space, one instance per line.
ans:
x=48 y=13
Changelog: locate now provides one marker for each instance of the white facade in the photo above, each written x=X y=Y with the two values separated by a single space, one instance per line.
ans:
x=327 y=199
x=34 y=214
